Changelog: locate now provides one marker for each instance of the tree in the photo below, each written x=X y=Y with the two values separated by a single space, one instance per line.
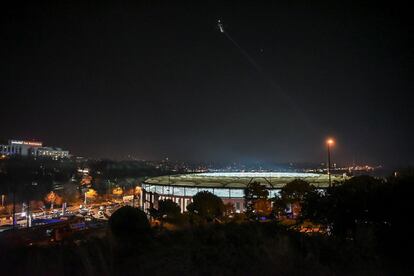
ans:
x=255 y=197
x=396 y=204
x=117 y=191
x=168 y=211
x=296 y=190
x=50 y=197
x=70 y=192
x=86 y=180
x=53 y=198
x=262 y=207
x=91 y=194
x=359 y=202
x=315 y=207
x=292 y=195
x=128 y=223
x=207 y=206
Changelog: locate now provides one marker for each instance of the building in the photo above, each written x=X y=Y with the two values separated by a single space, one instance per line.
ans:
x=55 y=153
x=18 y=147
x=229 y=186
x=32 y=148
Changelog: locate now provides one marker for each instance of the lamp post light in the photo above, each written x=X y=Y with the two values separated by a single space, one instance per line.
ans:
x=330 y=142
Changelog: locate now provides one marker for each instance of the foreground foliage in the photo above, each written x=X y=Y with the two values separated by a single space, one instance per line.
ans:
x=223 y=249
x=366 y=221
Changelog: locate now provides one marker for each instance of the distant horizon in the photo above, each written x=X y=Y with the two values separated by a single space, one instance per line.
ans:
x=240 y=162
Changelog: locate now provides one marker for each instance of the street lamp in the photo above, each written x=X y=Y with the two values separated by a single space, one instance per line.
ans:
x=329 y=142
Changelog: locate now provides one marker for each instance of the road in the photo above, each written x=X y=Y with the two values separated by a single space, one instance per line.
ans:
x=99 y=211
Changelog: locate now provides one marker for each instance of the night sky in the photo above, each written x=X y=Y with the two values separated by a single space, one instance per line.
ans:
x=153 y=81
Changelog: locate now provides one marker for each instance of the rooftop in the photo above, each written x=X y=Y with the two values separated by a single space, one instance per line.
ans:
x=273 y=180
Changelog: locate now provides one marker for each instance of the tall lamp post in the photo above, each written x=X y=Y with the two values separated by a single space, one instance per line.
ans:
x=330 y=142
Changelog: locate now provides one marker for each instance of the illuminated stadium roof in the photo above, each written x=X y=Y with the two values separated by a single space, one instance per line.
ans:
x=239 y=180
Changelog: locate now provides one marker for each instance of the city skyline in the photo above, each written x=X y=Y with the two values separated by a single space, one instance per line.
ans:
x=162 y=81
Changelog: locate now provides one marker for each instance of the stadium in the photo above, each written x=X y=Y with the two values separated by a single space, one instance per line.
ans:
x=229 y=186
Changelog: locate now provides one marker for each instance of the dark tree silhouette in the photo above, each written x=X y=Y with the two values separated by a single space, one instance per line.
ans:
x=129 y=223
x=292 y=195
x=168 y=211
x=207 y=206
x=255 y=195
x=358 y=202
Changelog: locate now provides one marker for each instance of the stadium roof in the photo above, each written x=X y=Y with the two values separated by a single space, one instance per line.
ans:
x=239 y=180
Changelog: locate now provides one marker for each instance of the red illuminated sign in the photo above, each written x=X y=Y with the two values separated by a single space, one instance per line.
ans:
x=27 y=143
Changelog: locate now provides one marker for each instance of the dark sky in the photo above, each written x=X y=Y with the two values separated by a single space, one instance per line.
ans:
x=156 y=80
